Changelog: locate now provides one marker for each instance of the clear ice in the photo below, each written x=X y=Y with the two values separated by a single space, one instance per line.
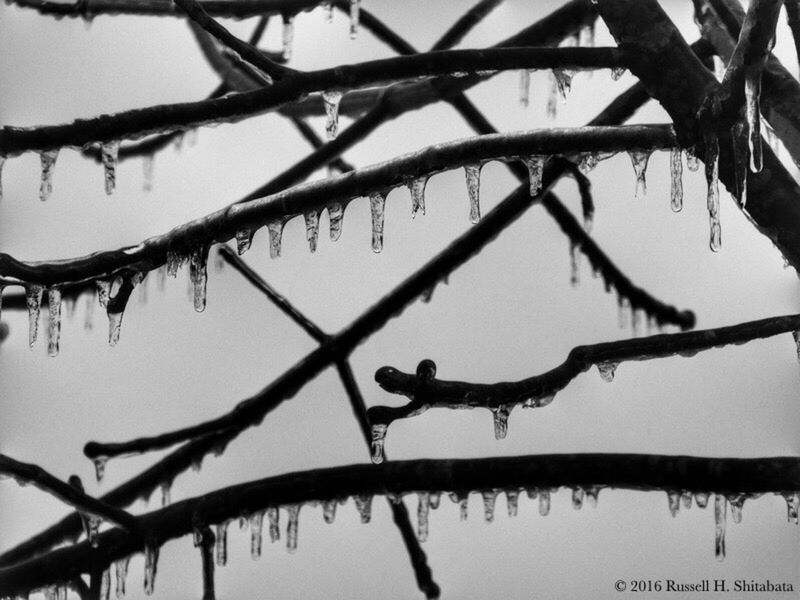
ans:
x=150 y=567
x=544 y=502
x=291 y=527
x=524 y=87
x=198 y=275
x=423 y=509
x=244 y=239
x=701 y=499
x=676 y=185
x=336 y=216
x=331 y=99
x=256 y=527
x=2 y=162
x=712 y=178
x=287 y=36
x=639 y=159
x=48 y=162
x=272 y=518
x=473 y=176
x=692 y=162
x=275 y=229
x=148 y=162
x=736 y=502
x=674 y=502
x=720 y=519
x=792 y=507
x=54 y=323
x=355 y=7
x=377 y=205
x=33 y=300
x=752 y=91
x=110 y=155
x=417 y=188
x=378 y=440
x=329 y=510
x=489 y=499
x=121 y=571
x=364 y=507
x=221 y=544
x=312 y=229
x=535 y=165
x=577 y=498
x=512 y=502
x=607 y=370
x=500 y=416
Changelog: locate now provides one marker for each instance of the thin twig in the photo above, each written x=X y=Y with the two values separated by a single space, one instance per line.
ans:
x=465 y=24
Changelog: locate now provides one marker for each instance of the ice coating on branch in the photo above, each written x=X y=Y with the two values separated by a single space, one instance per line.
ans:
x=312 y=229
x=148 y=162
x=535 y=165
x=329 y=511
x=109 y=153
x=500 y=414
x=489 y=499
x=275 y=229
x=752 y=91
x=639 y=160
x=331 y=99
x=473 y=176
x=150 y=566
x=607 y=370
x=417 y=188
x=377 y=205
x=121 y=571
x=221 y=544
x=336 y=216
x=674 y=502
x=54 y=323
x=256 y=527
x=244 y=239
x=48 y=162
x=736 y=502
x=577 y=498
x=792 y=507
x=524 y=87
x=675 y=176
x=544 y=502
x=378 y=440
x=272 y=518
x=364 y=507
x=423 y=509
x=287 y=36
x=33 y=300
x=712 y=178
x=355 y=7
x=291 y=527
x=720 y=519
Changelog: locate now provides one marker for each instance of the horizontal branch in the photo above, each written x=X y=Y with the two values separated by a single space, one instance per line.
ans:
x=157 y=119
x=26 y=473
x=726 y=476
x=426 y=392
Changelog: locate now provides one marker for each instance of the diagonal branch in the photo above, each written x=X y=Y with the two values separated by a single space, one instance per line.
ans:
x=465 y=24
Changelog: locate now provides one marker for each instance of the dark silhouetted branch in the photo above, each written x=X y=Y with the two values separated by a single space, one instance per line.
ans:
x=465 y=24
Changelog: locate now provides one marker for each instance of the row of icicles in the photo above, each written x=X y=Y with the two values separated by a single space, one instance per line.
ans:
x=426 y=501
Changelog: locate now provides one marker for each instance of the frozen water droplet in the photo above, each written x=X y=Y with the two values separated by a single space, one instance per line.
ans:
x=792 y=507
x=462 y=499
x=198 y=275
x=686 y=499
x=473 y=175
x=148 y=162
x=500 y=415
x=591 y=495
x=150 y=567
x=377 y=204
x=752 y=91
x=736 y=502
x=692 y=162
x=33 y=300
x=417 y=188
x=103 y=292
x=639 y=160
x=524 y=87
x=121 y=571
x=435 y=498
x=331 y=99
x=720 y=518
x=676 y=185
x=364 y=507
x=512 y=502
x=54 y=323
x=48 y=162
x=607 y=370
x=166 y=493
x=110 y=155
x=489 y=499
x=312 y=229
x=701 y=499
x=291 y=527
x=544 y=502
x=287 y=36
x=256 y=527
x=336 y=216
x=535 y=165
x=244 y=239
x=674 y=501
x=92 y=524
x=273 y=517
x=574 y=263
x=329 y=511
x=378 y=441
x=532 y=493
x=712 y=178
x=617 y=73
x=355 y=6
x=221 y=544
x=99 y=467
x=423 y=508
x=577 y=498
x=275 y=229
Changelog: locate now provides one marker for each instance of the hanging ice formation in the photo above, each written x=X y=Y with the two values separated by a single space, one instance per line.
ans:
x=701 y=499
x=273 y=516
x=166 y=493
x=692 y=162
x=287 y=36
x=562 y=82
x=676 y=185
x=500 y=416
x=741 y=159
x=121 y=572
x=99 y=467
x=535 y=165
x=712 y=178
x=720 y=518
x=331 y=99
x=586 y=36
x=244 y=239
x=423 y=509
x=792 y=507
x=312 y=229
x=221 y=544
x=148 y=162
x=355 y=7
x=512 y=502
x=150 y=567
x=607 y=369
x=736 y=502
x=674 y=502
x=364 y=507
x=524 y=87
x=336 y=217
x=48 y=162
x=198 y=275
x=752 y=91
x=109 y=153
x=639 y=159
x=377 y=205
x=417 y=188
x=574 y=261
x=489 y=499
x=544 y=502
x=329 y=511
x=617 y=73
x=256 y=527
x=577 y=498
x=33 y=299
x=473 y=176
x=105 y=585
x=291 y=527
x=275 y=229
x=378 y=441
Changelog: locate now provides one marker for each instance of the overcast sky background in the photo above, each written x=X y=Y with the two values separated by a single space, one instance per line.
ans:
x=508 y=314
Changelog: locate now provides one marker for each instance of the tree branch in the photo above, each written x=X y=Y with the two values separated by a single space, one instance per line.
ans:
x=465 y=24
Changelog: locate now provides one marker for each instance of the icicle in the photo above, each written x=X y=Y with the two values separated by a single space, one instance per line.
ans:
x=150 y=567
x=712 y=177
x=617 y=73
x=489 y=499
x=574 y=262
x=417 y=188
x=287 y=36
x=33 y=299
x=275 y=229
x=147 y=173
x=752 y=91
x=2 y=162
x=175 y=260
x=686 y=498
x=500 y=415
x=423 y=508
x=329 y=511
x=563 y=82
x=110 y=154
x=51 y=592
x=624 y=309
x=586 y=36
x=591 y=495
x=291 y=527
x=48 y=161
x=256 y=526
x=577 y=498
x=692 y=162
x=701 y=499
x=535 y=165
x=243 y=523
x=792 y=507
x=121 y=571
x=331 y=99
x=103 y=292
x=739 y=141
x=473 y=175
x=355 y=6
x=524 y=87
x=54 y=324
x=99 y=467
x=720 y=517
x=312 y=229
x=532 y=493
x=719 y=68
x=198 y=275
x=544 y=502
x=377 y=204
x=364 y=507
x=166 y=493
x=512 y=502
x=336 y=216
x=639 y=158
x=736 y=502
x=462 y=499
x=221 y=545
x=378 y=441
x=674 y=502
x=244 y=239
x=435 y=499
x=93 y=529
x=676 y=185
x=105 y=585
x=607 y=370
x=273 y=517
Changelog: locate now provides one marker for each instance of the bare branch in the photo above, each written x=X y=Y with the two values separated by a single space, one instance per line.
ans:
x=465 y=24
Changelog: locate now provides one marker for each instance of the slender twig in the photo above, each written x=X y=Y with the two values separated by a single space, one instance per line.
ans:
x=641 y=472
x=465 y=24
x=26 y=473
x=538 y=390
x=378 y=28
